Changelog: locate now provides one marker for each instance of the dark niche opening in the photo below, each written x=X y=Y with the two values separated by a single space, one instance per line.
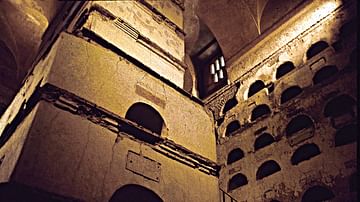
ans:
x=317 y=194
x=324 y=74
x=266 y=169
x=260 y=111
x=339 y=106
x=235 y=155
x=304 y=152
x=346 y=135
x=263 y=140
x=297 y=124
x=134 y=193
x=232 y=127
x=237 y=181
x=230 y=104
x=146 y=116
x=284 y=69
x=316 y=48
x=255 y=87
x=290 y=93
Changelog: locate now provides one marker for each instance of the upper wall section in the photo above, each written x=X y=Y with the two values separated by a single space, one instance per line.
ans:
x=235 y=24
x=172 y=9
x=142 y=32
x=276 y=44
x=112 y=82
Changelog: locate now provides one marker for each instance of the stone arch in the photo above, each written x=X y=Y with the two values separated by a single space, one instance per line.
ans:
x=266 y=169
x=255 y=87
x=324 y=74
x=284 y=69
x=290 y=93
x=346 y=135
x=134 y=193
x=263 y=140
x=232 y=127
x=297 y=124
x=235 y=155
x=316 y=48
x=333 y=110
x=304 y=152
x=237 y=181
x=317 y=193
x=259 y=111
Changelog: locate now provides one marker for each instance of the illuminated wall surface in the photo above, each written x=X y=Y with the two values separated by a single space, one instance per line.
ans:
x=99 y=102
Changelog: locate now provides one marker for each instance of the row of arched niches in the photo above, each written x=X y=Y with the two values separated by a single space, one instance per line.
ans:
x=301 y=119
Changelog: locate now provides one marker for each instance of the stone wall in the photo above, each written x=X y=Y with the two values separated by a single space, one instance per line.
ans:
x=261 y=125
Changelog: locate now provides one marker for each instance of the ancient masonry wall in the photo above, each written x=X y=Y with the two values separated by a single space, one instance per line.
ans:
x=287 y=126
x=65 y=133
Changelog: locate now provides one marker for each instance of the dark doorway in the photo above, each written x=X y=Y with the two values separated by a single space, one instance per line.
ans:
x=134 y=193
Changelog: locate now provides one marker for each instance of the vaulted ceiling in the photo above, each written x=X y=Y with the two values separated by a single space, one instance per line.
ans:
x=233 y=23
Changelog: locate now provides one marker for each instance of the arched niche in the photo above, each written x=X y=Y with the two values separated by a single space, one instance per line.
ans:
x=304 y=152
x=260 y=111
x=147 y=117
x=235 y=155
x=232 y=127
x=316 y=48
x=317 y=194
x=266 y=169
x=134 y=193
x=255 y=87
x=284 y=69
x=290 y=93
x=237 y=181
x=229 y=105
x=340 y=105
x=346 y=135
x=263 y=140
x=297 y=124
x=324 y=74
